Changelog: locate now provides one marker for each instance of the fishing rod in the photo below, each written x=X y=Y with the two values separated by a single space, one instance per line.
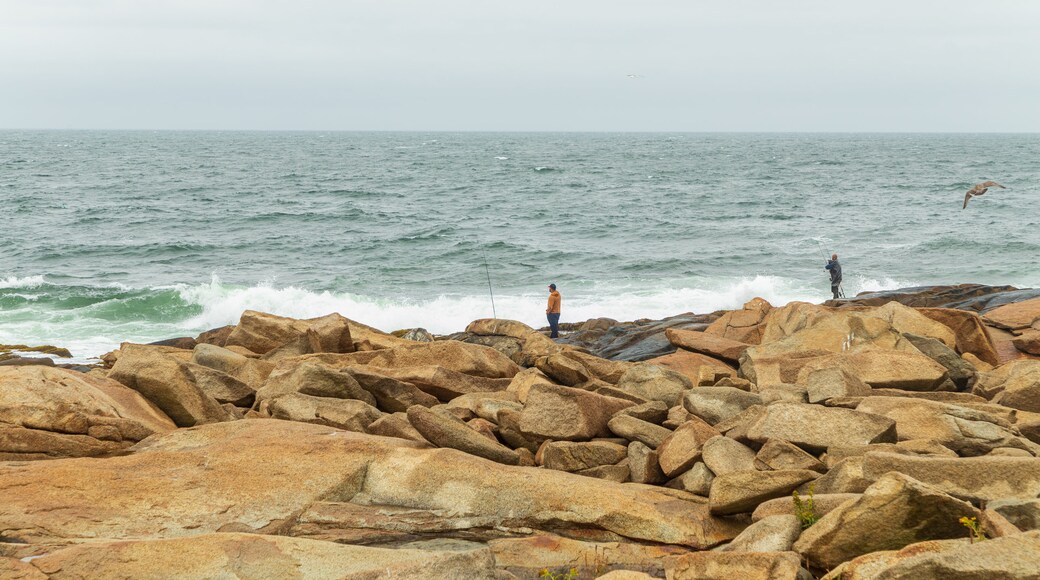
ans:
x=491 y=292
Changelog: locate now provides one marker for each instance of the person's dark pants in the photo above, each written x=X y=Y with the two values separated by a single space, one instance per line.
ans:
x=837 y=294
x=554 y=324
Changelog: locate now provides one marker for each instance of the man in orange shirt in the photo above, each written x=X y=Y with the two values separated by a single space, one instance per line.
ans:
x=552 y=311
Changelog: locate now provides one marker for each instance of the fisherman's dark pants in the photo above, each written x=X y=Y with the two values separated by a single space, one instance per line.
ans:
x=554 y=324
x=834 y=290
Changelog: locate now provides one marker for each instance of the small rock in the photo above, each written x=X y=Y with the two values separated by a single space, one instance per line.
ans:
x=770 y=534
x=723 y=455
x=823 y=504
x=564 y=370
x=696 y=480
x=716 y=404
x=833 y=382
x=391 y=395
x=743 y=491
x=655 y=383
x=617 y=473
x=643 y=463
x=574 y=456
x=654 y=412
x=779 y=454
x=564 y=413
x=1023 y=513
x=634 y=429
x=445 y=432
x=680 y=450
x=348 y=414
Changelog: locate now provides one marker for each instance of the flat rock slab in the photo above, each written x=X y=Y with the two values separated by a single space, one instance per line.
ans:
x=689 y=364
x=383 y=525
x=468 y=359
x=816 y=427
x=1015 y=556
x=886 y=369
x=967 y=431
x=256 y=475
x=256 y=556
x=732 y=565
x=712 y=345
x=527 y=557
x=1014 y=316
x=969 y=478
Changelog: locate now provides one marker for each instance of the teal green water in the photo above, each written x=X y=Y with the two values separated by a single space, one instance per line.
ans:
x=143 y=235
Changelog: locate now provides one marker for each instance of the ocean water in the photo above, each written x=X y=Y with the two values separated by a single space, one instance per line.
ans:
x=110 y=236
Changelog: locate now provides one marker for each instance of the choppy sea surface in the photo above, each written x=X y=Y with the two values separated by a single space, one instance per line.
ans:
x=108 y=236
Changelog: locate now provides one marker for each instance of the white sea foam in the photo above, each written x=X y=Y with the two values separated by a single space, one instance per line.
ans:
x=223 y=304
x=873 y=285
x=24 y=282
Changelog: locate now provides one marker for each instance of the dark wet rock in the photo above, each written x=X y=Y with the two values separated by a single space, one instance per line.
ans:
x=976 y=297
x=216 y=336
x=185 y=342
x=636 y=341
x=22 y=361
x=416 y=334
x=42 y=349
x=960 y=371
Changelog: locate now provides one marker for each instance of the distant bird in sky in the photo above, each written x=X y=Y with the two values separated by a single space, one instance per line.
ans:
x=979 y=189
x=635 y=76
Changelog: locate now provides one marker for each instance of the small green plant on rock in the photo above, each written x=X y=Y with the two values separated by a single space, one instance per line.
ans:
x=977 y=535
x=805 y=509
x=571 y=574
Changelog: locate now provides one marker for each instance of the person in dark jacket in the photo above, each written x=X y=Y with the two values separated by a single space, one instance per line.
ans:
x=835 y=269
x=552 y=311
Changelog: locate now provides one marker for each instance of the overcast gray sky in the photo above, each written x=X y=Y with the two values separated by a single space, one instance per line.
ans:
x=529 y=65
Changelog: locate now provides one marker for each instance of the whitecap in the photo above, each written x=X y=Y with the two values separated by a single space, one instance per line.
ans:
x=25 y=282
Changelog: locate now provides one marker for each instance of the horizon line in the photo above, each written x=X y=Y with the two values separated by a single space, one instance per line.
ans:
x=571 y=131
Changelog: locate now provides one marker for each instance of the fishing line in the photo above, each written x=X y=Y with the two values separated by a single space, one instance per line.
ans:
x=491 y=292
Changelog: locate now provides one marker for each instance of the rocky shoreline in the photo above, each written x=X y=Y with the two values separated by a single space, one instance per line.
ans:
x=893 y=435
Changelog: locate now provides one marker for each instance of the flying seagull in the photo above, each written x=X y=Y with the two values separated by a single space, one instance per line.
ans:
x=979 y=189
